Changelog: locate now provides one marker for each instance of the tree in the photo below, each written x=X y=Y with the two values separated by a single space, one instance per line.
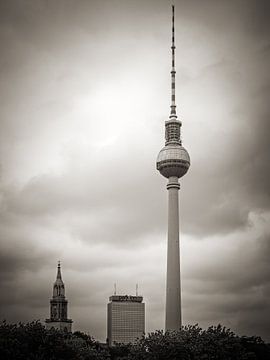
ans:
x=193 y=343
x=33 y=342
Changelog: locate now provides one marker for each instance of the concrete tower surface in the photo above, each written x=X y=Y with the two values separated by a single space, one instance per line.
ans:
x=173 y=162
x=59 y=306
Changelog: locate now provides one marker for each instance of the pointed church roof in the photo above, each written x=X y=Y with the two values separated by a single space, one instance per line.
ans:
x=59 y=280
x=59 y=271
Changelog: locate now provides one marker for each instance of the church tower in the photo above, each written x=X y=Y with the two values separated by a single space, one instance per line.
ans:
x=59 y=306
x=173 y=162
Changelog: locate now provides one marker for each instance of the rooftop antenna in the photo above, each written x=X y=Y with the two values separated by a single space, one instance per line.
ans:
x=137 y=289
x=114 y=288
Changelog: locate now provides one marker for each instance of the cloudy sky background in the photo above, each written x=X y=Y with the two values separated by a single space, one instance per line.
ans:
x=84 y=93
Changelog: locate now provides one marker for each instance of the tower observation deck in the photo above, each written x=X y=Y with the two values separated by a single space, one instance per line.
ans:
x=173 y=162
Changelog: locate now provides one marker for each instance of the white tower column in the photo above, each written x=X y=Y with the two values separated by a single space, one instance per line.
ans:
x=173 y=289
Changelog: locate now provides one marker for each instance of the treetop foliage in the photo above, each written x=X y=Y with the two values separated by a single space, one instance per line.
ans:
x=32 y=341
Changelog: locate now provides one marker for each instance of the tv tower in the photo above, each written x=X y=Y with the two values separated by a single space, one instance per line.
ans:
x=173 y=162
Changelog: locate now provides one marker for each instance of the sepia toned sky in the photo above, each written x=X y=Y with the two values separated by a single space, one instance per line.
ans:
x=84 y=93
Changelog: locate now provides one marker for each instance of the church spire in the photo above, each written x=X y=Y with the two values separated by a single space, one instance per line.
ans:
x=59 y=305
x=173 y=72
x=59 y=287
x=59 y=271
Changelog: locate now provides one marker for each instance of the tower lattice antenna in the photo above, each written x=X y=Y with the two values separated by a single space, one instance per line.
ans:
x=173 y=72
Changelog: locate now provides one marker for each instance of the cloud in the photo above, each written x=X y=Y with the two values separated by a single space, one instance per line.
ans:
x=229 y=175
x=229 y=280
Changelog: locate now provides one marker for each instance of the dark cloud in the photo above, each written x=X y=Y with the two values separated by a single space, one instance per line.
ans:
x=234 y=172
x=233 y=290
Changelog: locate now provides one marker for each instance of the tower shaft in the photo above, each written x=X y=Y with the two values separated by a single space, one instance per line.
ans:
x=173 y=290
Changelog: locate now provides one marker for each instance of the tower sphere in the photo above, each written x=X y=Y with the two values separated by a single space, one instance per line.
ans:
x=173 y=160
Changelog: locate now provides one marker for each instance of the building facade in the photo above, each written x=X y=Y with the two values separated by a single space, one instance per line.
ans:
x=125 y=319
x=173 y=162
x=59 y=306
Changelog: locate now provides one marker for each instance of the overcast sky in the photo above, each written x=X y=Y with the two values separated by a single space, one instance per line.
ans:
x=84 y=93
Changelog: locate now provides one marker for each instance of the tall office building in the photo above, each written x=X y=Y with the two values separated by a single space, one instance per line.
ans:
x=173 y=162
x=125 y=319
x=59 y=306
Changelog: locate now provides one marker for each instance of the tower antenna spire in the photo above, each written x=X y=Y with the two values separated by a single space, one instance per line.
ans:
x=173 y=72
